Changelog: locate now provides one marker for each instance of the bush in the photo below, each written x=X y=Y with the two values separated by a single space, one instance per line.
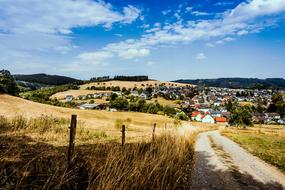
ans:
x=182 y=116
x=7 y=83
x=119 y=103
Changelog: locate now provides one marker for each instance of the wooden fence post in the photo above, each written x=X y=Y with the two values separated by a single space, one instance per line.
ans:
x=71 y=138
x=153 y=132
x=123 y=134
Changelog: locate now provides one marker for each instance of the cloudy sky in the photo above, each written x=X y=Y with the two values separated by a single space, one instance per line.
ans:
x=166 y=40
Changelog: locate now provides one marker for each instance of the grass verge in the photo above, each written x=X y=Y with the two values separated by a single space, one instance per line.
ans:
x=269 y=146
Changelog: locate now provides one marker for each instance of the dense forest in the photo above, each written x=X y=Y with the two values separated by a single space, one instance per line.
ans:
x=131 y=78
x=120 y=78
x=46 y=79
x=250 y=83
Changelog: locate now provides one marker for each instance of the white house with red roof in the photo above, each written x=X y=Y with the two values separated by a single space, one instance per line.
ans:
x=207 y=118
x=196 y=116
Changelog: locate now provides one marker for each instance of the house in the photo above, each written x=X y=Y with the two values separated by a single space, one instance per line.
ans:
x=216 y=114
x=207 y=118
x=220 y=119
x=258 y=117
x=69 y=98
x=145 y=95
x=281 y=121
x=272 y=116
x=135 y=93
x=196 y=116
x=89 y=106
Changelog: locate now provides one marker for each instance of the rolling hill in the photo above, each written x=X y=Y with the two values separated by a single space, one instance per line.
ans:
x=45 y=79
x=140 y=125
x=253 y=83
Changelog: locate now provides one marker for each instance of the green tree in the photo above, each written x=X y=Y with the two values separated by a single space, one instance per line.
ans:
x=241 y=117
x=119 y=103
x=7 y=83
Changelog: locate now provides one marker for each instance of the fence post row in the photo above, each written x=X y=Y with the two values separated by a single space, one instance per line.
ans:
x=153 y=132
x=72 y=138
x=123 y=134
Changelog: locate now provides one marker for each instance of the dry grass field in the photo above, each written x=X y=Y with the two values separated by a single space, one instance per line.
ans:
x=139 y=124
x=130 y=84
x=75 y=93
x=164 y=102
x=34 y=141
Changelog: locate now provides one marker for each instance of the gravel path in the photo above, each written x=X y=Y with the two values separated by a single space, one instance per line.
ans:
x=222 y=164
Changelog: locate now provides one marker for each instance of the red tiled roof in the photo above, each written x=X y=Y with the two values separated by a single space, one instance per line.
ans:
x=205 y=115
x=195 y=114
x=220 y=119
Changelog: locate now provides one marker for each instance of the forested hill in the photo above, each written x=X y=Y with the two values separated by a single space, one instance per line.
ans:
x=252 y=83
x=46 y=79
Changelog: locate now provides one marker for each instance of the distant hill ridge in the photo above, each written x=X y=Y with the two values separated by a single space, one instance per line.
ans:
x=251 y=83
x=45 y=79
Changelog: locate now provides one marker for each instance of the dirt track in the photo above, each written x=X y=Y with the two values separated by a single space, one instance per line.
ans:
x=222 y=164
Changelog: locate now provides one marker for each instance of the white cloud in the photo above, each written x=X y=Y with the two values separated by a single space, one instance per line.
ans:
x=95 y=56
x=188 y=9
x=255 y=8
x=165 y=12
x=225 y=3
x=150 y=63
x=199 y=13
x=54 y=16
x=210 y=45
x=134 y=53
x=144 y=26
x=201 y=56
x=249 y=16
x=242 y=32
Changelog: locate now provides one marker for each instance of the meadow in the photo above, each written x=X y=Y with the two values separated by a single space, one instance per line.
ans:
x=131 y=84
x=140 y=124
x=33 y=156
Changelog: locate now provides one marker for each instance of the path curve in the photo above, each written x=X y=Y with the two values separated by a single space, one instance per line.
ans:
x=220 y=163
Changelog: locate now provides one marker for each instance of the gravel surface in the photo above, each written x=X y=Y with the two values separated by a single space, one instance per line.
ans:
x=222 y=164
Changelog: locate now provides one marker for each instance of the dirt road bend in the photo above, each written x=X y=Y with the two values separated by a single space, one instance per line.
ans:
x=222 y=164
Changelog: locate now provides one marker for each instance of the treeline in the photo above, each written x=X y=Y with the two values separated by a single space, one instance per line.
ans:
x=100 y=79
x=47 y=79
x=120 y=78
x=248 y=83
x=131 y=78
x=136 y=104
x=43 y=95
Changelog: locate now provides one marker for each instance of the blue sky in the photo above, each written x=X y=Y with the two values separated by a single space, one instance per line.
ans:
x=166 y=40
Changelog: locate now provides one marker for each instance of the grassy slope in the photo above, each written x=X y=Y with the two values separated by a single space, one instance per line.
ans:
x=140 y=125
x=129 y=84
x=33 y=151
x=268 y=146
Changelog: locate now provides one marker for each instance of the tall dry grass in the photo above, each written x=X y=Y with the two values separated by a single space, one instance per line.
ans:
x=30 y=159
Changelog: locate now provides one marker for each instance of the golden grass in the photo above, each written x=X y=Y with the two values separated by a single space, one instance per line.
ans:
x=164 y=102
x=32 y=159
x=246 y=103
x=131 y=84
x=75 y=93
x=269 y=145
x=141 y=124
x=200 y=124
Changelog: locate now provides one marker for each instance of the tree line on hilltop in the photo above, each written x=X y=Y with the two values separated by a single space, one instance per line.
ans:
x=120 y=78
x=246 y=83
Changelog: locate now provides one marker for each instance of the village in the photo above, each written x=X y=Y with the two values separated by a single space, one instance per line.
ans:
x=201 y=104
